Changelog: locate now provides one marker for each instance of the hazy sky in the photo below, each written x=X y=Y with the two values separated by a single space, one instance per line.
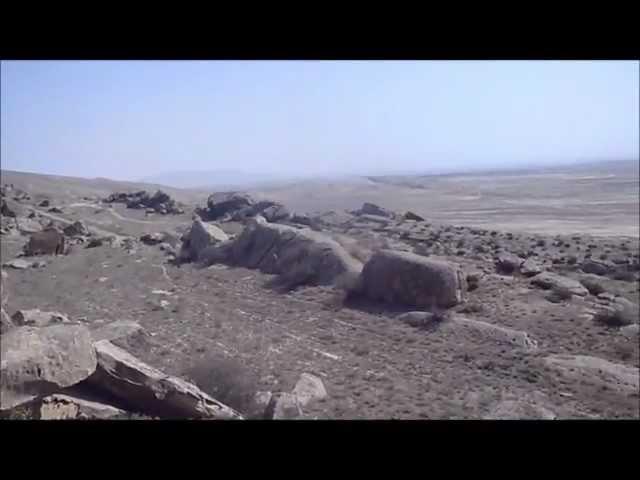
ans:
x=131 y=119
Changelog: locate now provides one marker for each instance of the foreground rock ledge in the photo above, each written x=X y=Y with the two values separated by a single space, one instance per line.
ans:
x=40 y=361
x=146 y=389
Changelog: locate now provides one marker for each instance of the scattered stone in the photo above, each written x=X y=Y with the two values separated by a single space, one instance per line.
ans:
x=152 y=238
x=411 y=279
x=276 y=213
x=122 y=333
x=549 y=280
x=597 y=267
x=417 y=319
x=309 y=388
x=37 y=318
x=530 y=267
x=507 y=263
x=619 y=313
x=76 y=229
x=224 y=203
x=38 y=361
x=95 y=242
x=44 y=203
x=283 y=406
x=413 y=216
x=55 y=210
x=18 y=264
x=144 y=388
x=65 y=407
x=494 y=332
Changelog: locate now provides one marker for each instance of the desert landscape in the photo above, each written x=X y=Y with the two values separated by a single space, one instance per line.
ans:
x=481 y=295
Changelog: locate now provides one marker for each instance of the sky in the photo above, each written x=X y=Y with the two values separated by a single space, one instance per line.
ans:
x=133 y=119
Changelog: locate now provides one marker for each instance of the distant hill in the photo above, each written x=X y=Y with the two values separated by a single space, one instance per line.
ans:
x=214 y=178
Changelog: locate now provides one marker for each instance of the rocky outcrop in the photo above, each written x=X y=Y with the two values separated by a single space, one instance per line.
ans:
x=77 y=228
x=299 y=256
x=37 y=362
x=146 y=389
x=409 y=279
x=159 y=202
x=66 y=407
x=413 y=216
x=220 y=204
x=198 y=238
x=373 y=209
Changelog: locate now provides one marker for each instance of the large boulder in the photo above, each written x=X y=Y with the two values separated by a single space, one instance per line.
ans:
x=222 y=203
x=299 y=256
x=413 y=216
x=200 y=236
x=414 y=280
x=146 y=389
x=530 y=267
x=47 y=242
x=548 y=280
x=618 y=313
x=39 y=361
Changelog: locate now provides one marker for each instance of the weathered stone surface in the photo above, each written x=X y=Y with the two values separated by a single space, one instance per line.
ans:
x=619 y=312
x=419 y=319
x=490 y=331
x=300 y=256
x=48 y=242
x=39 y=361
x=508 y=263
x=122 y=333
x=144 y=388
x=597 y=267
x=308 y=389
x=530 y=267
x=549 y=280
x=220 y=204
x=373 y=209
x=410 y=279
x=596 y=371
x=18 y=264
x=276 y=213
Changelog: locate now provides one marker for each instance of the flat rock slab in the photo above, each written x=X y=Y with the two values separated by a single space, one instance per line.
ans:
x=149 y=390
x=37 y=362
x=493 y=332
x=549 y=280
x=597 y=371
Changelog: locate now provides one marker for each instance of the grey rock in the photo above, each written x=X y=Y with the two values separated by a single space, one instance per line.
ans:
x=519 y=410
x=308 y=389
x=18 y=264
x=37 y=362
x=530 y=267
x=77 y=228
x=48 y=242
x=283 y=406
x=548 y=280
x=410 y=279
x=151 y=391
x=37 y=318
x=200 y=236
x=66 y=407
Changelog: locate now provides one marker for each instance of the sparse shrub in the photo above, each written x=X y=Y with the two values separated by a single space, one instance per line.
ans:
x=572 y=260
x=460 y=243
x=603 y=256
x=228 y=381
